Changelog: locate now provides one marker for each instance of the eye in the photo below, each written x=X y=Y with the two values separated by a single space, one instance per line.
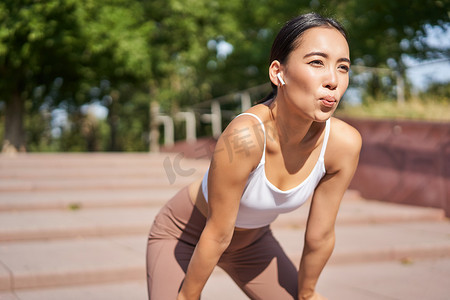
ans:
x=344 y=68
x=316 y=63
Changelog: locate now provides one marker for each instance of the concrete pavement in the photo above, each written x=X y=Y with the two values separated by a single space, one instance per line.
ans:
x=74 y=226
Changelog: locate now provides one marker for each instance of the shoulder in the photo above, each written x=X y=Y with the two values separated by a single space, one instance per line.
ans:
x=243 y=139
x=345 y=135
x=248 y=124
x=344 y=145
x=248 y=121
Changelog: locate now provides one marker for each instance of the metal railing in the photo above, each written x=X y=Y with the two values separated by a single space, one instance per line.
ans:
x=207 y=112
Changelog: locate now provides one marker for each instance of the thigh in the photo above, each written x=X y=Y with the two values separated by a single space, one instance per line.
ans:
x=167 y=261
x=263 y=270
x=171 y=242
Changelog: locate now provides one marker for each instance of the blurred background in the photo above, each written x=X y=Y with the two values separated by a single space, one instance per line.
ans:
x=81 y=75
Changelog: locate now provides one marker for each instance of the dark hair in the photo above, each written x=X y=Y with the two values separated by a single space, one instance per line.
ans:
x=288 y=39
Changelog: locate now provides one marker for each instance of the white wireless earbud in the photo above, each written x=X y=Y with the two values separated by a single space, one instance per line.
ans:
x=280 y=79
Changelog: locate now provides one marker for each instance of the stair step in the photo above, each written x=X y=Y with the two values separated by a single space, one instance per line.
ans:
x=33 y=264
x=82 y=221
x=52 y=224
x=74 y=172
x=412 y=280
x=29 y=200
x=34 y=172
x=135 y=290
x=74 y=226
x=368 y=281
x=97 y=165
x=219 y=287
x=379 y=242
x=79 y=160
x=49 y=171
x=17 y=185
x=355 y=210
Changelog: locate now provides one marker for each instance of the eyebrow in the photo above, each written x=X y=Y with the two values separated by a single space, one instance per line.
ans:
x=325 y=56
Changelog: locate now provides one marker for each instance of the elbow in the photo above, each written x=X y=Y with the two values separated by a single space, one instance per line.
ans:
x=220 y=236
x=315 y=241
x=223 y=240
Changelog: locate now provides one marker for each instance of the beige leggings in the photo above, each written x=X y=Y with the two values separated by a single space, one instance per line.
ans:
x=254 y=258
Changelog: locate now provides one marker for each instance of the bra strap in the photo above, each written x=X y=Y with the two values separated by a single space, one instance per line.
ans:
x=325 y=138
x=263 y=158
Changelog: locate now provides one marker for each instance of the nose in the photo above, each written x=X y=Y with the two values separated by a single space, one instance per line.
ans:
x=330 y=80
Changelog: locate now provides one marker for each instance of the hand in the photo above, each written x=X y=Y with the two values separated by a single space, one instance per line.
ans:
x=314 y=296
x=181 y=296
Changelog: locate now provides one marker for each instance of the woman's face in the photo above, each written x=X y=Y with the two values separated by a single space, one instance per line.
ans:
x=316 y=73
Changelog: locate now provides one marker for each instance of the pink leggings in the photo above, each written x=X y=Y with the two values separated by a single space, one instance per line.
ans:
x=254 y=258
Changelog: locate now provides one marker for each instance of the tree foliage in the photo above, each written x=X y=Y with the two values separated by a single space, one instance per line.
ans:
x=382 y=31
x=124 y=54
x=79 y=42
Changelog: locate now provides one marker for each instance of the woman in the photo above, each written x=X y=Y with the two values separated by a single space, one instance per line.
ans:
x=269 y=160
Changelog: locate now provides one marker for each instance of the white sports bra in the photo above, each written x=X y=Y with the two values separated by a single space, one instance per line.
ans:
x=261 y=201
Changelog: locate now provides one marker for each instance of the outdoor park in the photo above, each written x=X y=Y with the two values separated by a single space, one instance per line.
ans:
x=108 y=108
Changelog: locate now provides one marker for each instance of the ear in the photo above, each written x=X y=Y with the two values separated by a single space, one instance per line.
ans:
x=275 y=69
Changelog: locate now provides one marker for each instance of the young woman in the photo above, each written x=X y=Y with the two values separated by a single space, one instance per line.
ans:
x=269 y=160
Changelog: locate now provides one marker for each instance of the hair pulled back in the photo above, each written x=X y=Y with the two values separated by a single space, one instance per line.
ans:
x=289 y=38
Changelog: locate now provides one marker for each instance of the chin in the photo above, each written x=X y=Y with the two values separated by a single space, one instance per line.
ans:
x=322 y=117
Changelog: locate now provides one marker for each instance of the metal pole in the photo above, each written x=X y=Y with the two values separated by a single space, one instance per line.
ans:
x=400 y=89
x=246 y=102
x=168 y=129
x=154 y=130
x=189 y=117
x=216 y=119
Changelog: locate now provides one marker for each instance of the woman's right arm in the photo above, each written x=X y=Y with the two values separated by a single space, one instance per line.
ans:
x=237 y=153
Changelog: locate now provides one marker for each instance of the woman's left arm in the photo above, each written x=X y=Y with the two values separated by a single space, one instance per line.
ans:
x=342 y=157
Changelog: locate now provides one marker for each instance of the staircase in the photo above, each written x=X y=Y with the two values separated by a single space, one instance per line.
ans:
x=74 y=226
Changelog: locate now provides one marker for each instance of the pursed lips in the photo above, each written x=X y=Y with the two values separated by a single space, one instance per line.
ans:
x=328 y=100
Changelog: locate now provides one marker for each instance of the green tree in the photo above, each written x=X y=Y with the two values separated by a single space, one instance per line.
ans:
x=81 y=42
x=179 y=46
x=169 y=51
x=30 y=38
x=382 y=32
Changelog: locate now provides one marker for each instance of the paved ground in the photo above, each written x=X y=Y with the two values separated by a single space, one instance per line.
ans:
x=74 y=226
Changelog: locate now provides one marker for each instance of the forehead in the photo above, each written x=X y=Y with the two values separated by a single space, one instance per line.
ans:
x=323 y=39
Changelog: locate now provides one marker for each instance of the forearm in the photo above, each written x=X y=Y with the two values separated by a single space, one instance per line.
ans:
x=314 y=258
x=204 y=259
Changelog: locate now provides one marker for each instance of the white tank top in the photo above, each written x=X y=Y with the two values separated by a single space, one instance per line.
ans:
x=261 y=201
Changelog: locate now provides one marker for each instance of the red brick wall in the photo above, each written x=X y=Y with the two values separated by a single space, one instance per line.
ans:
x=404 y=162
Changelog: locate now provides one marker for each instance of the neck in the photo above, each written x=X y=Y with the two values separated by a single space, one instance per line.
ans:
x=291 y=128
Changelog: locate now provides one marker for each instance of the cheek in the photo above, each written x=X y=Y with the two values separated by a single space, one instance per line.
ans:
x=344 y=84
x=305 y=80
